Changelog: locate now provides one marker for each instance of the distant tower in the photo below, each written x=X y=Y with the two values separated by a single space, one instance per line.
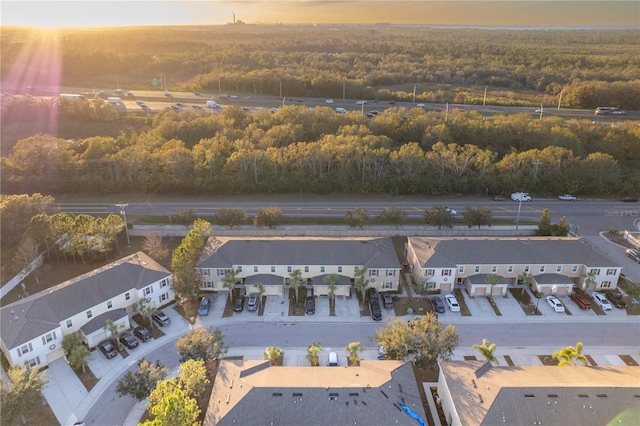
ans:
x=234 y=17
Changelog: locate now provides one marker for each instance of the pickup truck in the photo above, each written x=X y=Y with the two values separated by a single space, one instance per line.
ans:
x=581 y=299
x=566 y=197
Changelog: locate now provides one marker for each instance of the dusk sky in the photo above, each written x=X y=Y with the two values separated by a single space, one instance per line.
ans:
x=55 y=14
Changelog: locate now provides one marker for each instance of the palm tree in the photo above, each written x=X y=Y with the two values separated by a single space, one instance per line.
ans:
x=361 y=282
x=493 y=280
x=353 y=349
x=313 y=353
x=590 y=278
x=113 y=331
x=570 y=355
x=273 y=354
x=146 y=309
x=331 y=280
x=487 y=350
x=229 y=280
x=260 y=288
x=295 y=278
x=524 y=278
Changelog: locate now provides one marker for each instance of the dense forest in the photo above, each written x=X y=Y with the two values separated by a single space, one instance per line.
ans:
x=90 y=147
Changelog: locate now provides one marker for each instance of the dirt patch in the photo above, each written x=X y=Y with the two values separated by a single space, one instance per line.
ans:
x=547 y=361
x=441 y=416
x=332 y=307
x=38 y=414
x=88 y=379
x=155 y=331
x=591 y=361
x=509 y=361
x=494 y=306
x=188 y=310
x=263 y=302
x=418 y=305
x=628 y=359
x=427 y=375
x=228 y=308
x=524 y=300
x=464 y=309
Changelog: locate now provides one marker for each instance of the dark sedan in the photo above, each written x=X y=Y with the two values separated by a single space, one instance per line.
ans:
x=438 y=304
x=310 y=306
x=142 y=333
x=108 y=349
x=238 y=304
x=129 y=341
x=376 y=312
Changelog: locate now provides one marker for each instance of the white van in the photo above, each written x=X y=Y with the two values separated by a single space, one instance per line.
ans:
x=341 y=110
x=333 y=359
x=520 y=196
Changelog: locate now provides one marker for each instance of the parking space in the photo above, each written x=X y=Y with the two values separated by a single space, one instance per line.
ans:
x=509 y=306
x=479 y=306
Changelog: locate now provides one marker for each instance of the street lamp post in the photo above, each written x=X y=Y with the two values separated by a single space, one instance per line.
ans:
x=280 y=83
x=518 y=217
x=124 y=216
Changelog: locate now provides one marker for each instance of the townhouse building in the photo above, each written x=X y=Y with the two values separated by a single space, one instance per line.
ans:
x=33 y=327
x=488 y=266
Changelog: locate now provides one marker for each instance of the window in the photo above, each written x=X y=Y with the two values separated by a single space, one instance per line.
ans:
x=356 y=269
x=605 y=284
x=339 y=268
x=574 y=269
x=255 y=269
x=47 y=338
x=164 y=283
x=494 y=269
x=430 y=272
x=527 y=268
x=222 y=272
x=476 y=269
x=69 y=323
x=289 y=269
x=89 y=314
x=24 y=349
x=611 y=271
x=559 y=268
x=239 y=268
x=510 y=268
x=542 y=268
x=33 y=362
x=595 y=271
x=461 y=269
x=387 y=286
x=273 y=269
x=306 y=269
x=127 y=296
x=391 y=272
x=373 y=272
x=109 y=304
x=148 y=290
x=431 y=285
x=164 y=297
x=208 y=284
x=205 y=272
x=322 y=269
x=445 y=272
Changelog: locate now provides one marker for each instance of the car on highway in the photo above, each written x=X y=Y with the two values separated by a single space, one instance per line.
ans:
x=438 y=304
x=629 y=199
x=555 y=304
x=633 y=254
x=161 y=318
x=602 y=301
x=142 y=333
x=329 y=101
x=205 y=305
x=420 y=105
x=361 y=102
x=252 y=303
x=452 y=303
x=140 y=102
x=129 y=340
x=566 y=197
x=580 y=298
x=310 y=305
x=616 y=299
x=238 y=304
x=108 y=349
x=539 y=110
x=452 y=211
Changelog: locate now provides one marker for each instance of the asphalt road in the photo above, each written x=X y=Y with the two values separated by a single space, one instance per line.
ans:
x=111 y=409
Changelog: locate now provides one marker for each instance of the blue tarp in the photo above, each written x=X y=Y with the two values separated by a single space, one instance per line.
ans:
x=412 y=413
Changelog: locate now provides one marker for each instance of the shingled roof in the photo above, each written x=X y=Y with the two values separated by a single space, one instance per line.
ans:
x=42 y=312
x=377 y=253
x=254 y=393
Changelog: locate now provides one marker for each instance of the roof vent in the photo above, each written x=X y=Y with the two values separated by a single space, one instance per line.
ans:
x=583 y=395
x=602 y=395
x=276 y=394
x=529 y=395
x=552 y=395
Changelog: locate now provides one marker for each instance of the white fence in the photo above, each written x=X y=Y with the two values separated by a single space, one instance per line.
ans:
x=13 y=282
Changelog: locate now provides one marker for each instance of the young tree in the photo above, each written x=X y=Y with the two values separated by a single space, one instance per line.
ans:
x=331 y=281
x=230 y=279
x=155 y=247
x=524 y=278
x=438 y=216
x=270 y=217
x=201 y=344
x=273 y=353
x=487 y=350
x=313 y=353
x=357 y=220
x=394 y=216
x=493 y=280
x=186 y=282
x=570 y=356
x=78 y=357
x=295 y=278
x=192 y=378
x=171 y=406
x=146 y=309
x=20 y=391
x=424 y=338
x=26 y=256
x=354 y=349
x=260 y=288
x=477 y=216
x=113 y=331
x=420 y=285
x=361 y=281
x=544 y=226
x=560 y=229
x=230 y=217
x=141 y=383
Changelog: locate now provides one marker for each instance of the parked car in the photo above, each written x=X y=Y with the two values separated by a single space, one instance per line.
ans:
x=580 y=298
x=142 y=333
x=372 y=295
x=238 y=304
x=205 y=304
x=387 y=301
x=438 y=304
x=566 y=197
x=333 y=359
x=376 y=312
x=108 y=349
x=633 y=254
x=601 y=300
x=555 y=304
x=252 y=303
x=161 y=318
x=629 y=199
x=310 y=306
x=452 y=302
x=128 y=340
x=616 y=299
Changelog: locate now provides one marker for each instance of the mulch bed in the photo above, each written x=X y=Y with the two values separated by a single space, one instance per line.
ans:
x=547 y=361
x=155 y=331
x=509 y=361
x=88 y=379
x=628 y=359
x=427 y=375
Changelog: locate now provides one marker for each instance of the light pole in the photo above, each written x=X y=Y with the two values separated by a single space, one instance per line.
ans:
x=518 y=217
x=219 y=90
x=560 y=100
x=124 y=215
x=280 y=83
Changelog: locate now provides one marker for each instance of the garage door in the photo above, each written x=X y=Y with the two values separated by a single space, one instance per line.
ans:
x=496 y=291
x=480 y=291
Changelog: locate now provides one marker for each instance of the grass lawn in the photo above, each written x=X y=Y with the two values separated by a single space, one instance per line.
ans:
x=38 y=414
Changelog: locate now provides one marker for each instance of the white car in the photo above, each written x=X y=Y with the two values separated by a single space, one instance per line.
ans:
x=328 y=101
x=452 y=303
x=566 y=197
x=540 y=110
x=453 y=212
x=601 y=301
x=361 y=102
x=554 y=303
x=421 y=105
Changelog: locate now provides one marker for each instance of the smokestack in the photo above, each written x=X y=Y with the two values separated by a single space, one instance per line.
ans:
x=234 y=17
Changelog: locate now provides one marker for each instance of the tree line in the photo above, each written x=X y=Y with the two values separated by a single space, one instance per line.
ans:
x=401 y=150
